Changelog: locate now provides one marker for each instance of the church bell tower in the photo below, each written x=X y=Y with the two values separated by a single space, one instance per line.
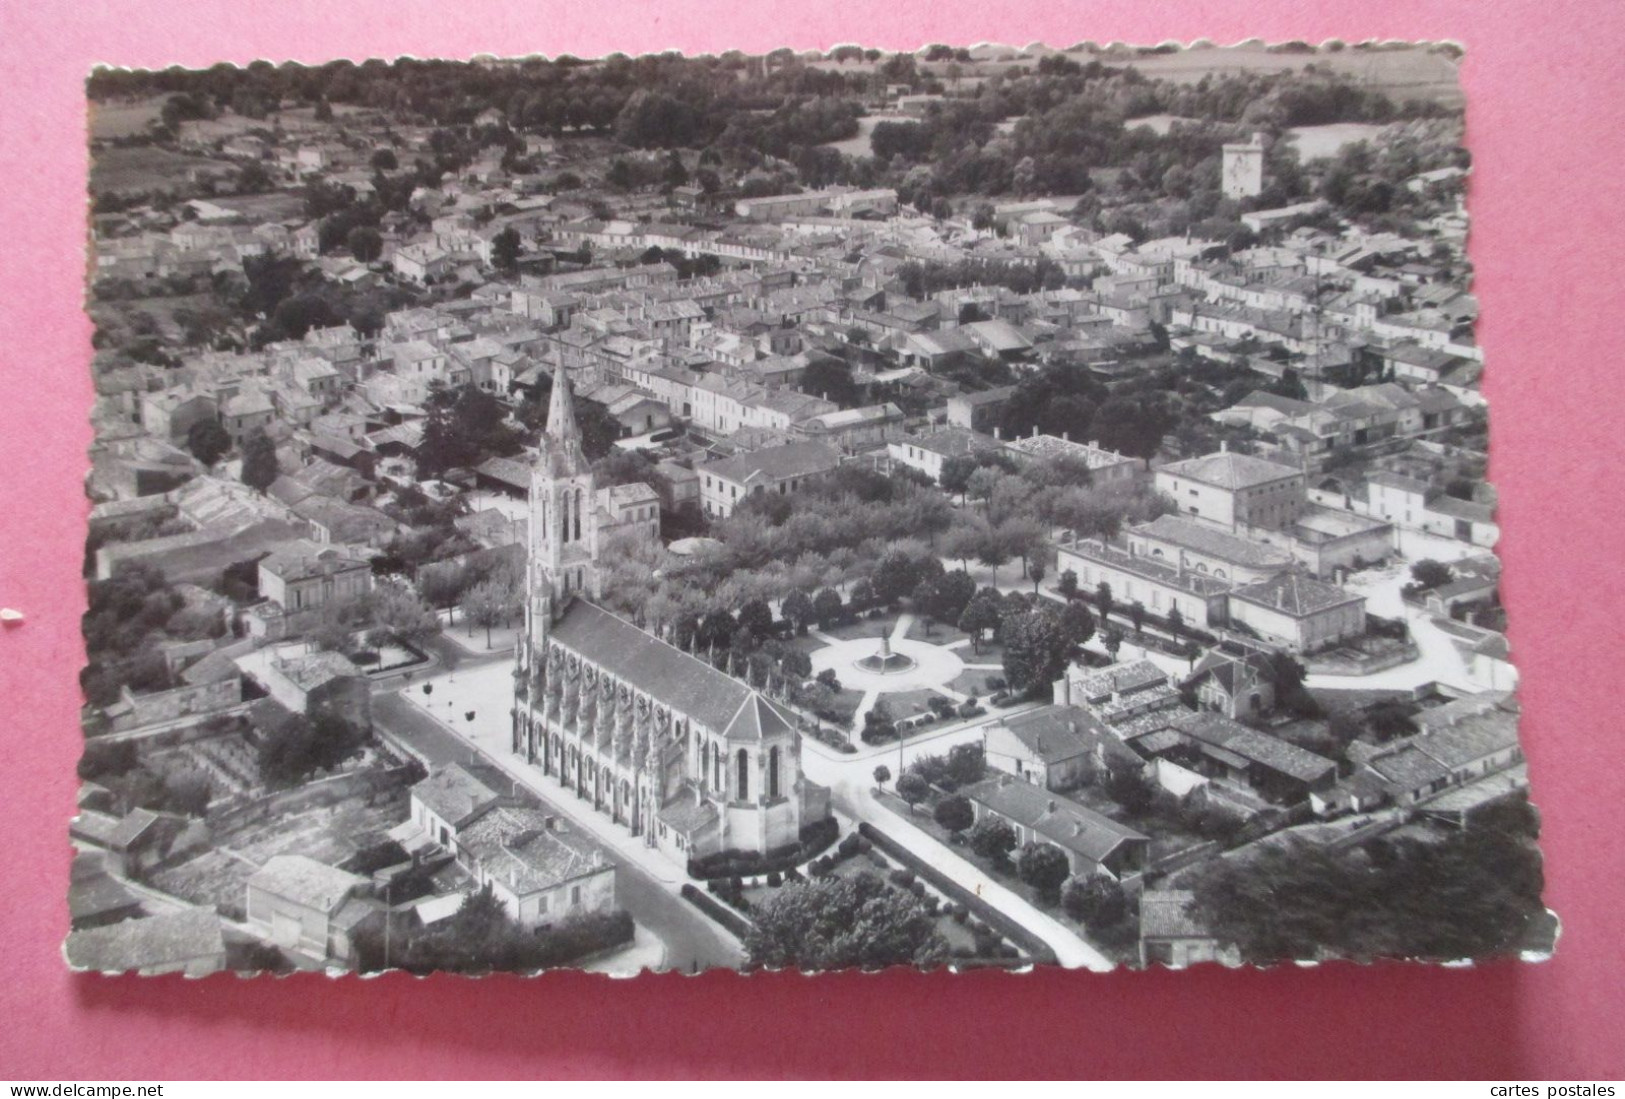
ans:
x=563 y=549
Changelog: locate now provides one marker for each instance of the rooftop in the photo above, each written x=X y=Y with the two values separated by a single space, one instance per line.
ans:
x=1231 y=470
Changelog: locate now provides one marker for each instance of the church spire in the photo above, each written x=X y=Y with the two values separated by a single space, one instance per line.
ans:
x=561 y=409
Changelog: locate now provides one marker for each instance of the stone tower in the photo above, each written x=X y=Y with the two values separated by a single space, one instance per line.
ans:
x=1243 y=175
x=563 y=549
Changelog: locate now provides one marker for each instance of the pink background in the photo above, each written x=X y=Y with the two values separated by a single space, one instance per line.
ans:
x=1545 y=89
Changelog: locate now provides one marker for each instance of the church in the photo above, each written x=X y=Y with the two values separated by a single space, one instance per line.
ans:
x=687 y=757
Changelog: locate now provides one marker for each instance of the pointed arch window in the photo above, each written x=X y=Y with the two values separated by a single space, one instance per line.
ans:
x=744 y=775
x=577 y=536
x=773 y=772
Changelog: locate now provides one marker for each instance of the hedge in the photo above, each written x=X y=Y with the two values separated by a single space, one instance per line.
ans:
x=815 y=840
x=723 y=915
x=1034 y=947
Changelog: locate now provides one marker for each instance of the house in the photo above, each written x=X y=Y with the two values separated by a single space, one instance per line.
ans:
x=306 y=682
x=1235 y=490
x=304 y=575
x=1459 y=743
x=533 y=862
x=1093 y=844
x=979 y=411
x=1055 y=747
x=1106 y=467
x=300 y=904
x=1237 y=685
x=1203 y=745
x=780 y=469
x=189 y=942
x=1170 y=935
x=137 y=841
x=1117 y=692
x=853 y=428
x=1300 y=613
x=927 y=453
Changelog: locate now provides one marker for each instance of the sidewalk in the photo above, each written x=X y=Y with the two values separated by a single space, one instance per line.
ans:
x=645 y=951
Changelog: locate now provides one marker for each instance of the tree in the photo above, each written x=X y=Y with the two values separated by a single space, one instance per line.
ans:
x=912 y=788
x=924 y=599
x=827 y=607
x=1112 y=639
x=1431 y=574
x=952 y=592
x=1045 y=868
x=1103 y=600
x=894 y=577
x=1129 y=787
x=1473 y=893
x=1067 y=585
x=757 y=617
x=1097 y=902
x=208 y=441
x=966 y=764
x=383 y=160
x=980 y=614
x=1036 y=569
x=366 y=243
x=992 y=839
x=882 y=776
x=488 y=604
x=505 y=247
x=259 y=460
x=798 y=611
x=956 y=472
x=1036 y=648
x=843 y=923
x=1176 y=622
x=1136 y=615
x=954 y=813
x=1077 y=624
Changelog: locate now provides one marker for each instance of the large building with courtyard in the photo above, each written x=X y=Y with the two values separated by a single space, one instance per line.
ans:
x=687 y=757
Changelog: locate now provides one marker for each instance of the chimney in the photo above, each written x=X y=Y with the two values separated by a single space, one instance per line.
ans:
x=1066 y=436
x=1035 y=431
x=1051 y=806
x=1224 y=446
x=996 y=433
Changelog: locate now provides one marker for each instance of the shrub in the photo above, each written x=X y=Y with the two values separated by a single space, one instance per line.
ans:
x=848 y=845
x=774 y=880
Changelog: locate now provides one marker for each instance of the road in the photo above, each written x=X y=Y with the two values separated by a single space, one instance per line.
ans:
x=692 y=942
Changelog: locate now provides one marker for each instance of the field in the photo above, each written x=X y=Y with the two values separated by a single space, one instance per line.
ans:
x=1325 y=142
x=113 y=120
x=144 y=168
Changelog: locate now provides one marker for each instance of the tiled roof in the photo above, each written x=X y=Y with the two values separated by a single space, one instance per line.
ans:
x=1164 y=914
x=1295 y=594
x=1212 y=542
x=776 y=463
x=150 y=943
x=670 y=676
x=688 y=813
x=1231 y=470
x=454 y=795
x=1060 y=820
x=524 y=849
x=306 y=882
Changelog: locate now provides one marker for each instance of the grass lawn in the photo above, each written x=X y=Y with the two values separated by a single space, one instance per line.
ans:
x=973 y=681
x=909 y=703
x=144 y=168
